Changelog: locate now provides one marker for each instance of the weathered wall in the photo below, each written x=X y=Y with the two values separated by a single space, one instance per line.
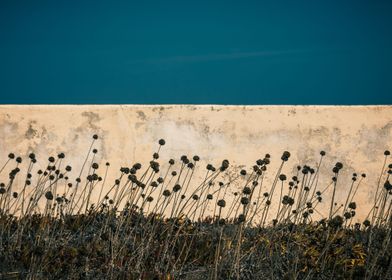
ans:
x=356 y=136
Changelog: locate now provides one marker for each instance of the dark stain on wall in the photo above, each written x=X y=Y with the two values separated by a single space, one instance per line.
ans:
x=31 y=132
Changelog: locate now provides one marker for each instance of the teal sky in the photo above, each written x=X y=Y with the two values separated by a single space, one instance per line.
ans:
x=196 y=52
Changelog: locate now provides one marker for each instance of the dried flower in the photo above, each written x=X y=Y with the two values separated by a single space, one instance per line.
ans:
x=225 y=165
x=166 y=193
x=285 y=156
x=137 y=166
x=221 y=203
x=282 y=177
x=176 y=188
x=49 y=195
x=246 y=191
x=244 y=200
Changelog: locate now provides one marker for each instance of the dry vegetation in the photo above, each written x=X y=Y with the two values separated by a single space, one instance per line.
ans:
x=166 y=224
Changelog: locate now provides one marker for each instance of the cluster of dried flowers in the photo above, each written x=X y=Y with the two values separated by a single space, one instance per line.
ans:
x=152 y=223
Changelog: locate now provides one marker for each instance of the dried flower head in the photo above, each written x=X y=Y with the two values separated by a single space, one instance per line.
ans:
x=246 y=191
x=49 y=195
x=282 y=177
x=221 y=203
x=166 y=193
x=285 y=156
x=244 y=200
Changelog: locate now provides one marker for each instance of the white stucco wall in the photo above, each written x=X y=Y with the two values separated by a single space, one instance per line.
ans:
x=355 y=135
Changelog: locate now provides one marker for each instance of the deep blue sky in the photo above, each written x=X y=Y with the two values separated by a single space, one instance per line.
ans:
x=240 y=52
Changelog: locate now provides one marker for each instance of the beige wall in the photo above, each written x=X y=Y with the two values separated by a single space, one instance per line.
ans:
x=356 y=136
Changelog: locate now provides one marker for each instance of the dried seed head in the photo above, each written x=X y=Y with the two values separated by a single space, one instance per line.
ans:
x=285 y=156
x=225 y=165
x=95 y=165
x=241 y=218
x=339 y=165
x=49 y=195
x=166 y=193
x=221 y=203
x=282 y=177
x=246 y=191
x=154 y=184
x=352 y=205
x=244 y=200
x=176 y=188
x=388 y=185
x=137 y=166
x=162 y=142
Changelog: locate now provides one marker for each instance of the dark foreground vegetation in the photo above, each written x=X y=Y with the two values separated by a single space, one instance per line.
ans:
x=155 y=223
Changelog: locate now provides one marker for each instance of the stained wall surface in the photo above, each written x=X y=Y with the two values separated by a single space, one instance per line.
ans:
x=357 y=136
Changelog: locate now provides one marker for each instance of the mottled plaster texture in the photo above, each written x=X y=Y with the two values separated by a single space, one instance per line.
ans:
x=355 y=135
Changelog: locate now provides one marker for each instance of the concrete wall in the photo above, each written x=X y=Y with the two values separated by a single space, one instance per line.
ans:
x=357 y=136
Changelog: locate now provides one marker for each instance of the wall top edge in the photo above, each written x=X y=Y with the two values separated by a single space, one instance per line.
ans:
x=6 y=106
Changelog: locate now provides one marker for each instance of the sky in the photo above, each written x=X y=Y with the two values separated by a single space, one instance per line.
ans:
x=196 y=52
